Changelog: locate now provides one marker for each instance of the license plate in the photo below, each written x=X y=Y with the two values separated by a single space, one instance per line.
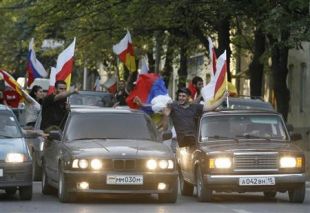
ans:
x=254 y=181
x=1 y=172
x=125 y=179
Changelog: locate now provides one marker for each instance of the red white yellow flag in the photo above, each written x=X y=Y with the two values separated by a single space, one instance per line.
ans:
x=220 y=77
x=124 y=50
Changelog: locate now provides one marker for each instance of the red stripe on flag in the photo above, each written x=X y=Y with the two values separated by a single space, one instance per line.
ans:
x=214 y=60
x=65 y=71
x=221 y=79
x=122 y=55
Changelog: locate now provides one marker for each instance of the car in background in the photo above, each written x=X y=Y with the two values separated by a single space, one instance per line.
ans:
x=246 y=103
x=91 y=98
x=108 y=151
x=15 y=161
x=241 y=151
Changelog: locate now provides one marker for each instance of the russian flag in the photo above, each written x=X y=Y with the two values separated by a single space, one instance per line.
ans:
x=34 y=67
x=151 y=90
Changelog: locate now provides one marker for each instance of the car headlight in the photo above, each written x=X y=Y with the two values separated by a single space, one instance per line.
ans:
x=291 y=162
x=220 y=163
x=151 y=164
x=14 y=158
x=83 y=163
x=96 y=164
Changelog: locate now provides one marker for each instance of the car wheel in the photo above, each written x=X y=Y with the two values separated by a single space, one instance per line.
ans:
x=186 y=188
x=11 y=191
x=297 y=195
x=46 y=188
x=170 y=197
x=63 y=195
x=270 y=194
x=36 y=169
x=203 y=193
x=25 y=192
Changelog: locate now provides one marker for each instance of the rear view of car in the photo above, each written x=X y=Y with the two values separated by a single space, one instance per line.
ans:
x=15 y=161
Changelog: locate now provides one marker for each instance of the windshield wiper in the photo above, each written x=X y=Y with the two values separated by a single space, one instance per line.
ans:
x=218 y=137
x=6 y=136
x=249 y=136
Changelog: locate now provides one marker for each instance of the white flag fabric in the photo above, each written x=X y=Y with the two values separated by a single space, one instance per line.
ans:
x=143 y=65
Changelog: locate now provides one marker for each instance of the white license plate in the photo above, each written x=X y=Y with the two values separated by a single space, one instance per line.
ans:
x=1 y=172
x=125 y=179
x=256 y=181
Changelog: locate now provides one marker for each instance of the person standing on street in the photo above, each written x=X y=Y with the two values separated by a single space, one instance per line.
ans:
x=121 y=93
x=33 y=103
x=185 y=115
x=54 y=106
x=195 y=87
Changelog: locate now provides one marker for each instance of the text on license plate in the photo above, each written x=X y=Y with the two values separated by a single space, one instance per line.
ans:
x=1 y=172
x=125 y=179
x=247 y=181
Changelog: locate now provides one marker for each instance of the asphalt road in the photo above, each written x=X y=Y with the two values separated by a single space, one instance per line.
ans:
x=237 y=203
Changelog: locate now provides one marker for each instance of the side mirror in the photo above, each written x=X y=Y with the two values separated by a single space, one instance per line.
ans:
x=55 y=135
x=187 y=140
x=295 y=136
x=166 y=135
x=289 y=127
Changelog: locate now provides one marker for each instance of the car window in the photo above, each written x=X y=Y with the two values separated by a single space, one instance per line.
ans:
x=109 y=126
x=94 y=99
x=242 y=126
x=9 y=127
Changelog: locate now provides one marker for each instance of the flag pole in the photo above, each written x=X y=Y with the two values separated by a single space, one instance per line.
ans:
x=226 y=82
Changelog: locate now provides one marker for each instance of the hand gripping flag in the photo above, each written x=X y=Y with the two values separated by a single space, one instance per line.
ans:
x=34 y=67
x=124 y=50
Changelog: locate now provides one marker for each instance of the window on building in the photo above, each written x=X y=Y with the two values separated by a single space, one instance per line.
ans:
x=302 y=87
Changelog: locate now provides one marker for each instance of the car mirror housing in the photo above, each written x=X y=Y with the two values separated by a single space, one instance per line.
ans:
x=55 y=135
x=187 y=140
x=166 y=135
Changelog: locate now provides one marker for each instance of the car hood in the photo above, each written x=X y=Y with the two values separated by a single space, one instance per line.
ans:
x=118 y=148
x=250 y=146
x=12 y=145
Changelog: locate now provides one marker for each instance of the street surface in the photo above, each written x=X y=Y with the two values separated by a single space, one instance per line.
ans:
x=237 y=203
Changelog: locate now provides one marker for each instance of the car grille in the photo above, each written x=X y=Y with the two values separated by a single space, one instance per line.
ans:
x=267 y=161
x=124 y=164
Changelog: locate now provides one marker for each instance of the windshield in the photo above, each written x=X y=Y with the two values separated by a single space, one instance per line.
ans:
x=8 y=126
x=227 y=127
x=110 y=126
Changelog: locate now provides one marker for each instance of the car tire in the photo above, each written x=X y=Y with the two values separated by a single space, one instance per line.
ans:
x=11 y=191
x=25 y=192
x=297 y=195
x=186 y=188
x=36 y=169
x=46 y=188
x=170 y=197
x=203 y=193
x=270 y=194
x=63 y=195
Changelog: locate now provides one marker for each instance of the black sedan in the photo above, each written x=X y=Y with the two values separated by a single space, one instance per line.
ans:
x=108 y=151
x=15 y=161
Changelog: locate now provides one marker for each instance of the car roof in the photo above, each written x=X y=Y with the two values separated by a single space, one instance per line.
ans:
x=240 y=111
x=247 y=103
x=87 y=109
x=90 y=92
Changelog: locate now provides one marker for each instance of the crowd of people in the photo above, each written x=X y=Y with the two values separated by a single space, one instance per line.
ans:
x=184 y=112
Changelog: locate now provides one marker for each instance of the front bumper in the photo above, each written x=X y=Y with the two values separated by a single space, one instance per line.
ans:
x=98 y=182
x=13 y=175
x=283 y=182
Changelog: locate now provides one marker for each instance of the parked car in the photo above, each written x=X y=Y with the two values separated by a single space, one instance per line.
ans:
x=92 y=98
x=15 y=161
x=241 y=151
x=108 y=151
